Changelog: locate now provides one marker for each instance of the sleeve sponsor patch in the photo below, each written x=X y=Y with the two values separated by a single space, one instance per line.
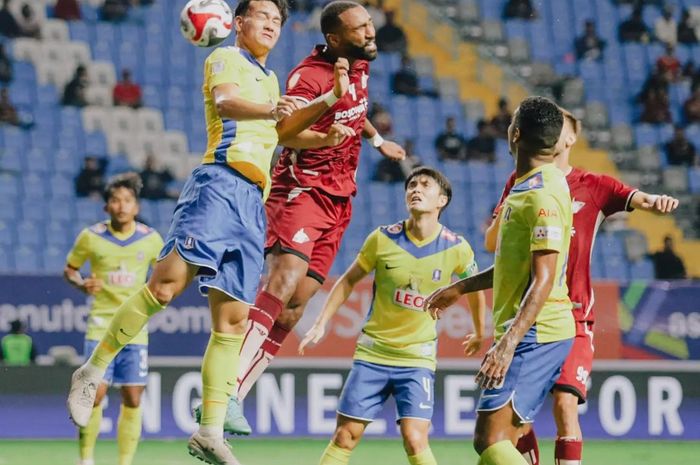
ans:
x=217 y=67
x=541 y=233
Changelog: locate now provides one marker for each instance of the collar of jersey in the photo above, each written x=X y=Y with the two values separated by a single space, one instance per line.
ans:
x=122 y=236
x=246 y=54
x=416 y=241
x=528 y=174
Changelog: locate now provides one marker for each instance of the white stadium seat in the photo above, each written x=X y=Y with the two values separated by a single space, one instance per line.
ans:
x=124 y=119
x=99 y=95
x=102 y=72
x=79 y=52
x=26 y=49
x=150 y=120
x=96 y=118
x=55 y=30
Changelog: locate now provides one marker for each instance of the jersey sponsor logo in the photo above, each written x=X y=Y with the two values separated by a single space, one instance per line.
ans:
x=576 y=205
x=409 y=297
x=353 y=113
x=547 y=213
x=547 y=232
x=121 y=278
x=437 y=274
x=300 y=237
x=189 y=243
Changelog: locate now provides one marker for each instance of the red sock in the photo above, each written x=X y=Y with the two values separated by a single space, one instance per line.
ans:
x=527 y=446
x=568 y=451
x=262 y=359
x=261 y=318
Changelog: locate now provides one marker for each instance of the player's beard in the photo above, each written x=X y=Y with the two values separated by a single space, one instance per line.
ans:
x=360 y=52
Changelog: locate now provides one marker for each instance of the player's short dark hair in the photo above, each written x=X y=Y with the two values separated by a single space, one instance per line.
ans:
x=330 y=16
x=441 y=179
x=131 y=181
x=540 y=121
x=282 y=5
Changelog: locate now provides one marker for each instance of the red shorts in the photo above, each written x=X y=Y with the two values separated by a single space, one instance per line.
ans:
x=308 y=223
x=577 y=367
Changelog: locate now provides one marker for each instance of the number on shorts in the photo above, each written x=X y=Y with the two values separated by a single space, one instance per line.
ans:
x=143 y=359
x=427 y=387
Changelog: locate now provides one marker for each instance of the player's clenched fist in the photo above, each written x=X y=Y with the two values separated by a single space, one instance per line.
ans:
x=440 y=300
x=663 y=203
x=286 y=105
x=341 y=77
x=92 y=285
x=337 y=134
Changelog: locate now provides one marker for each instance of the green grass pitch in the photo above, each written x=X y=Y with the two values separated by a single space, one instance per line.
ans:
x=301 y=451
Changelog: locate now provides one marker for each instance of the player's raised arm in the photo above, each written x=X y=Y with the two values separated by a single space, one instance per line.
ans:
x=338 y=295
x=443 y=298
x=656 y=203
x=389 y=149
x=310 y=139
x=289 y=127
x=230 y=105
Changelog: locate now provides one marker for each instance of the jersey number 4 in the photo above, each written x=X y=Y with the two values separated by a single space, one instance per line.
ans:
x=352 y=91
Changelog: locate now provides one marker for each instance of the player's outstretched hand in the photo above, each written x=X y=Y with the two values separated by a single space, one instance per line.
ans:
x=312 y=336
x=286 y=105
x=472 y=344
x=341 y=77
x=337 y=134
x=440 y=300
x=92 y=285
x=392 y=151
x=495 y=365
x=662 y=204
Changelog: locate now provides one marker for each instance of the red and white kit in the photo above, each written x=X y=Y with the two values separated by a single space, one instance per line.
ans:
x=594 y=197
x=309 y=206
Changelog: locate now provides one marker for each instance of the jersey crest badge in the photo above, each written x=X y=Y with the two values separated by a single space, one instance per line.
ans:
x=576 y=206
x=395 y=228
x=189 y=243
x=437 y=274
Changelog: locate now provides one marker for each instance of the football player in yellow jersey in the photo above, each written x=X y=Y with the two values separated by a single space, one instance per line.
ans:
x=120 y=252
x=533 y=323
x=218 y=226
x=396 y=352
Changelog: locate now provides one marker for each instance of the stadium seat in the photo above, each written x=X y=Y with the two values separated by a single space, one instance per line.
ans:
x=694 y=180
x=7 y=234
x=675 y=179
x=642 y=269
x=29 y=233
x=27 y=260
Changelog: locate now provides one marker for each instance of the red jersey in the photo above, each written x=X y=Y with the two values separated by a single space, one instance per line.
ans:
x=331 y=169
x=594 y=197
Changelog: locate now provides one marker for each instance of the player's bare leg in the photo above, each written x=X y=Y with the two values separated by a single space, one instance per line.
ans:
x=415 y=432
x=347 y=435
x=219 y=370
x=569 y=443
x=170 y=277
x=495 y=436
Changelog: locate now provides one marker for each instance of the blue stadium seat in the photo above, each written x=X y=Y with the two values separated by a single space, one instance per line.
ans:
x=642 y=269
x=694 y=180
x=611 y=245
x=61 y=210
x=79 y=31
x=35 y=187
x=95 y=144
x=7 y=234
x=30 y=234
x=645 y=134
x=27 y=260
x=54 y=260
x=616 y=268
x=7 y=264
x=33 y=210
x=40 y=161
x=149 y=211
x=88 y=211
x=57 y=233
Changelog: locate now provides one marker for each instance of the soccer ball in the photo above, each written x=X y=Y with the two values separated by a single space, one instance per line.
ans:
x=206 y=23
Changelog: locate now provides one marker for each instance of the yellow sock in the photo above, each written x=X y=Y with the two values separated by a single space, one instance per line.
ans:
x=87 y=437
x=334 y=455
x=127 y=322
x=128 y=433
x=423 y=458
x=219 y=371
x=502 y=453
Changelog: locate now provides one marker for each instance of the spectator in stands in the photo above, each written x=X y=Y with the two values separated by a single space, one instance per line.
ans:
x=74 y=93
x=155 y=181
x=67 y=10
x=669 y=64
x=501 y=121
x=29 y=23
x=396 y=171
x=450 y=144
x=686 y=29
x=482 y=147
x=668 y=265
x=522 y=9
x=126 y=92
x=656 y=108
x=633 y=29
x=9 y=27
x=5 y=66
x=381 y=119
x=589 y=46
x=691 y=108
x=390 y=37
x=405 y=80
x=115 y=10
x=90 y=181
x=679 y=150
x=17 y=347
x=666 y=28
x=8 y=113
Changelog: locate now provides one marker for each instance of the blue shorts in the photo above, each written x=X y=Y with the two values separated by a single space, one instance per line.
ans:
x=369 y=385
x=534 y=370
x=129 y=367
x=219 y=225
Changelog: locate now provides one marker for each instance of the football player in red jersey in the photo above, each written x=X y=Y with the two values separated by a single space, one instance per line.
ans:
x=309 y=207
x=594 y=197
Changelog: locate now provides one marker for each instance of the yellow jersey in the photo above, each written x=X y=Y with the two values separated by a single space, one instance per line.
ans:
x=397 y=332
x=246 y=146
x=121 y=261
x=537 y=215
